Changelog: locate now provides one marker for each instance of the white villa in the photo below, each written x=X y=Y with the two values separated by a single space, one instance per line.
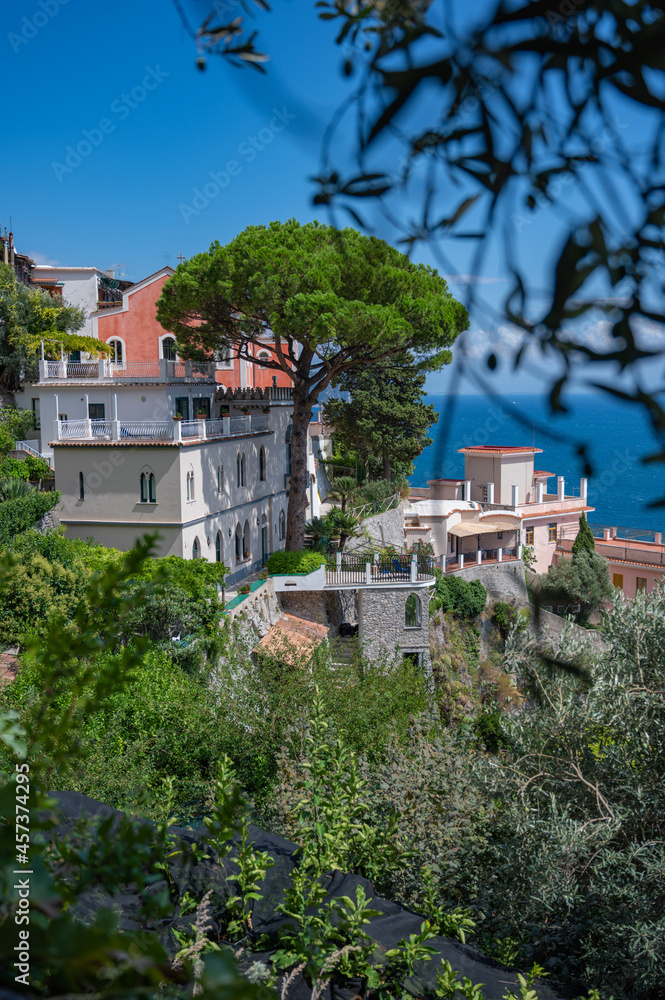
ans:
x=502 y=504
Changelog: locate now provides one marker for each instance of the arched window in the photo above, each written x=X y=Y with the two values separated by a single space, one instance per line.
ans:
x=413 y=612
x=238 y=543
x=246 y=550
x=143 y=484
x=282 y=526
x=168 y=349
x=220 y=478
x=288 y=449
x=196 y=549
x=190 y=485
x=263 y=356
x=81 y=487
x=219 y=547
x=241 y=469
x=117 y=355
x=262 y=464
x=152 y=488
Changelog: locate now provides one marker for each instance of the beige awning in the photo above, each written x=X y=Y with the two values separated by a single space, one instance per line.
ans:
x=486 y=527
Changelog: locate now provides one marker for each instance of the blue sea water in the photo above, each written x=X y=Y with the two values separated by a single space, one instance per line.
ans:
x=617 y=436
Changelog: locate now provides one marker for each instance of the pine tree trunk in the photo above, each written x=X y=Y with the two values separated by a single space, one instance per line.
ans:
x=297 y=509
x=387 y=473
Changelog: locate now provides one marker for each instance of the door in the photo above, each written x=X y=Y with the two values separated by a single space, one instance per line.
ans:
x=617 y=580
x=182 y=407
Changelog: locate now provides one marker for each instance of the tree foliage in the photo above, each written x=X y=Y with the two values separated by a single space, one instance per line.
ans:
x=584 y=541
x=465 y=598
x=384 y=419
x=480 y=125
x=583 y=580
x=334 y=301
x=29 y=316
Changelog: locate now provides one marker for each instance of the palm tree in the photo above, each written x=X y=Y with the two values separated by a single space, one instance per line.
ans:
x=343 y=488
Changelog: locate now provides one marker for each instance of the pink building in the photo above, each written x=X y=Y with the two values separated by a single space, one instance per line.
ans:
x=636 y=563
x=130 y=324
x=501 y=505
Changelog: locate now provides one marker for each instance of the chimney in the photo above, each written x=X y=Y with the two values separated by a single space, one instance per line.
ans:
x=560 y=488
x=515 y=499
x=583 y=489
x=539 y=491
x=110 y=273
x=11 y=248
x=490 y=492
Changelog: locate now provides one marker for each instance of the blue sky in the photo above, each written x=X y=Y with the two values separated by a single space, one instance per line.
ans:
x=118 y=152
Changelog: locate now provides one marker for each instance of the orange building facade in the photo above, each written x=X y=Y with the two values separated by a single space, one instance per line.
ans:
x=132 y=326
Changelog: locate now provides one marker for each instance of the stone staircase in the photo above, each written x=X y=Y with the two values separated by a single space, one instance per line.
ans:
x=345 y=648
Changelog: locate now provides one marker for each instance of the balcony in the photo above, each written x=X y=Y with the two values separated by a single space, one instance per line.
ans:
x=126 y=371
x=481 y=557
x=156 y=431
x=350 y=570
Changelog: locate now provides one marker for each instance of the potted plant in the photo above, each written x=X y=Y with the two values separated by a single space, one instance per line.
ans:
x=245 y=409
x=201 y=415
x=178 y=416
x=245 y=589
x=264 y=574
x=224 y=411
x=266 y=409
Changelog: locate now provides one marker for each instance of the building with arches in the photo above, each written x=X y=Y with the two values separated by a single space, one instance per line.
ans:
x=122 y=478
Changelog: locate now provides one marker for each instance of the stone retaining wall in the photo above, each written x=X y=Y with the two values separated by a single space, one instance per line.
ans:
x=382 y=529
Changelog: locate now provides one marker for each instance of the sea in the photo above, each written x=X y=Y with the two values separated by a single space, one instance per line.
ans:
x=612 y=436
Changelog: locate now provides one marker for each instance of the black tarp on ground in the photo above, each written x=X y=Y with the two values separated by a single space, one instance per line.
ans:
x=394 y=923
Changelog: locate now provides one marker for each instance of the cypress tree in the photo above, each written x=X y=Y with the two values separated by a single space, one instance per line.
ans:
x=585 y=541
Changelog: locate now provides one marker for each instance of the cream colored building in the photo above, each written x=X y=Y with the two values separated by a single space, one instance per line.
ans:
x=501 y=505
x=214 y=488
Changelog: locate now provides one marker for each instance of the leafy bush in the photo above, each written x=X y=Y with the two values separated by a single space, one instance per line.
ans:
x=16 y=516
x=288 y=563
x=464 y=598
x=504 y=616
x=31 y=468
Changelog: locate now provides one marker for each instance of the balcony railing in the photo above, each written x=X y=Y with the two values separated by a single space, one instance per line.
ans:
x=159 y=430
x=348 y=569
x=131 y=371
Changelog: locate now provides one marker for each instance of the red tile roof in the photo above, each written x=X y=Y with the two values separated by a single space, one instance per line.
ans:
x=541 y=473
x=488 y=449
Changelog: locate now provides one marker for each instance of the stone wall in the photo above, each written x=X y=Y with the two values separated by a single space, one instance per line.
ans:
x=502 y=581
x=382 y=623
x=305 y=604
x=554 y=625
x=380 y=530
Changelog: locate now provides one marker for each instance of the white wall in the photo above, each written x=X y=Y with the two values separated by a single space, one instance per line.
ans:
x=79 y=288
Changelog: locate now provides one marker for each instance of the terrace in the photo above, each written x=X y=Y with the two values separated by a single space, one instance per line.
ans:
x=173 y=431
x=109 y=371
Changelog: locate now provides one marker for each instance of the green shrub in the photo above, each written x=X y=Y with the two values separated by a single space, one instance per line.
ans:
x=31 y=468
x=464 y=598
x=16 y=516
x=288 y=563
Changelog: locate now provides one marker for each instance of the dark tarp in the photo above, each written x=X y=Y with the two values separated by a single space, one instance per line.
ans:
x=394 y=923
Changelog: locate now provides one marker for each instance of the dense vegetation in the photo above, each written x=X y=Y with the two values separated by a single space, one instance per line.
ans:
x=534 y=825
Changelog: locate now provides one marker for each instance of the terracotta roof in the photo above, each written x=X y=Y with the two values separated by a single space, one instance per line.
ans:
x=550 y=513
x=444 y=481
x=9 y=667
x=488 y=449
x=292 y=637
x=541 y=473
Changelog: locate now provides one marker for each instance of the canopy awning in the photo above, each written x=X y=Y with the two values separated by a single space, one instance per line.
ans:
x=485 y=527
